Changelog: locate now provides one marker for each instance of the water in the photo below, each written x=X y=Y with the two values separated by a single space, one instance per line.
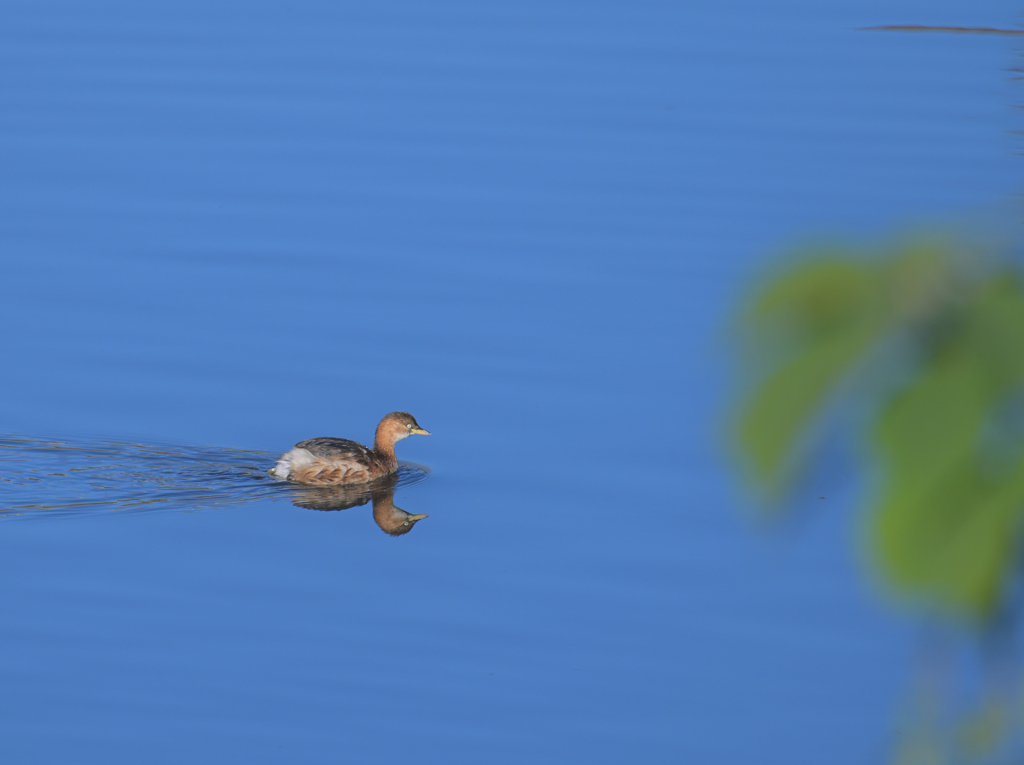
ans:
x=80 y=478
x=228 y=228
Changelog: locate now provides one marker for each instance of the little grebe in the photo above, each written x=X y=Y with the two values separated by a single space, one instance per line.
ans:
x=332 y=461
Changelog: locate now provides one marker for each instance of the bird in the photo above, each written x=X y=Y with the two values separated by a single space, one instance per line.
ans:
x=328 y=461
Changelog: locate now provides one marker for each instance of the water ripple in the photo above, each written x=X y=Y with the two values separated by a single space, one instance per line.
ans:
x=77 y=477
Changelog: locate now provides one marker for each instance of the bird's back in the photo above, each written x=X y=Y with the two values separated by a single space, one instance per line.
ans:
x=330 y=448
x=327 y=461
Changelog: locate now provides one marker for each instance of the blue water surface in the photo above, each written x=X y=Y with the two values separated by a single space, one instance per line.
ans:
x=227 y=227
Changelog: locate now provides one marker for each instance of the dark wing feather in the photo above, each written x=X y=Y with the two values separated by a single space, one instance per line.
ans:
x=336 y=449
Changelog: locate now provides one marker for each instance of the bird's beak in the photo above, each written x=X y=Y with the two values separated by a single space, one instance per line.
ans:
x=414 y=518
x=420 y=432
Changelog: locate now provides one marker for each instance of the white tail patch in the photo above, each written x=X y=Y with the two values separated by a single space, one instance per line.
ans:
x=291 y=462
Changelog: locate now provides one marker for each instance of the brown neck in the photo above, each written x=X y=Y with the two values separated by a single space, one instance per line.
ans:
x=384 y=442
x=385 y=449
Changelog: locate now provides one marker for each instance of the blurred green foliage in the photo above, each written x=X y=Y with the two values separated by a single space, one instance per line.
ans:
x=925 y=342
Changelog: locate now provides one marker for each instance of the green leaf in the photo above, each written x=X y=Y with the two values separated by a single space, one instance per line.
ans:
x=780 y=410
x=944 y=527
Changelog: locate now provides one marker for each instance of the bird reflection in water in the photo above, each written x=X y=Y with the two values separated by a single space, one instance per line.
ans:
x=392 y=520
